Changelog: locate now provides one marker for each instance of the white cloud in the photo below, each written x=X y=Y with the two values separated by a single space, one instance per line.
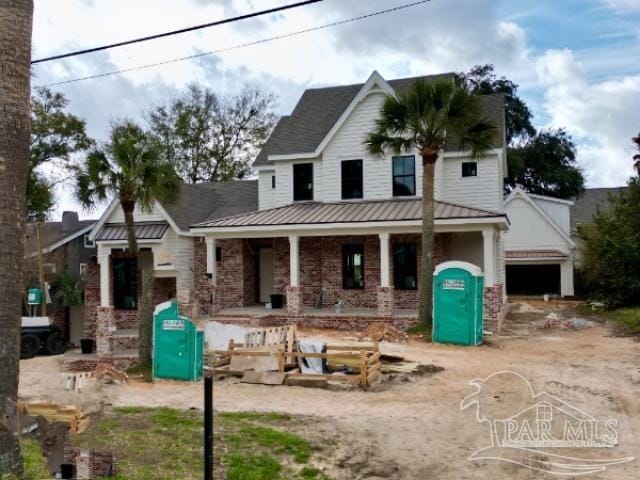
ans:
x=603 y=116
x=624 y=5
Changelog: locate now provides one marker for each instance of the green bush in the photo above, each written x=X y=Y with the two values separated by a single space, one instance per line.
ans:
x=611 y=250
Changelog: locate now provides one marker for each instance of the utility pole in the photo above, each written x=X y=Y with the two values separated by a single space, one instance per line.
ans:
x=43 y=284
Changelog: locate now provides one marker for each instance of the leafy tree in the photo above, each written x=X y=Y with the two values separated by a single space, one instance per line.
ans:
x=130 y=168
x=208 y=138
x=546 y=165
x=425 y=118
x=611 y=250
x=483 y=80
x=636 y=157
x=542 y=162
x=55 y=136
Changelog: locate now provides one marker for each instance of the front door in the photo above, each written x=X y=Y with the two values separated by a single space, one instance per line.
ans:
x=265 y=269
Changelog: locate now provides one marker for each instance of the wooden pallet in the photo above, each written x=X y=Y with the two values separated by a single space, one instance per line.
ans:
x=71 y=415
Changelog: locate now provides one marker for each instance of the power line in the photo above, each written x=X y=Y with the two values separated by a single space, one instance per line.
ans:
x=176 y=32
x=235 y=47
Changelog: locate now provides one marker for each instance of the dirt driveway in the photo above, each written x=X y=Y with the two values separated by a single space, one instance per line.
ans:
x=417 y=426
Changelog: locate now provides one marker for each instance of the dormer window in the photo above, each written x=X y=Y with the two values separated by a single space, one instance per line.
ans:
x=404 y=176
x=469 y=169
x=351 y=179
x=302 y=182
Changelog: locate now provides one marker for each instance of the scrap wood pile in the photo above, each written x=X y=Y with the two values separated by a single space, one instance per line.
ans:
x=383 y=332
x=275 y=356
x=71 y=415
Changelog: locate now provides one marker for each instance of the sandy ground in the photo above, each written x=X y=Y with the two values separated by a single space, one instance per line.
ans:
x=416 y=429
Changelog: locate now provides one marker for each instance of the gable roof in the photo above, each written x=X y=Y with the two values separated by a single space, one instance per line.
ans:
x=53 y=235
x=197 y=203
x=319 y=109
x=519 y=192
x=586 y=205
x=313 y=213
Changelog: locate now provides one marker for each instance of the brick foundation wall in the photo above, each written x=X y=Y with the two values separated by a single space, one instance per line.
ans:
x=90 y=464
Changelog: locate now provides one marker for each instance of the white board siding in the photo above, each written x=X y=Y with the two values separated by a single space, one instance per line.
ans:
x=283 y=194
x=483 y=191
x=177 y=251
x=529 y=230
x=117 y=216
x=468 y=247
x=266 y=194
x=558 y=212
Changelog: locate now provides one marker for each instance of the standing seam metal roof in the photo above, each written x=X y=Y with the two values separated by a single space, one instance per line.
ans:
x=144 y=231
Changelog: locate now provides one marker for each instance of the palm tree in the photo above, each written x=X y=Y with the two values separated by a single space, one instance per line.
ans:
x=66 y=293
x=636 y=157
x=16 y=17
x=426 y=117
x=129 y=168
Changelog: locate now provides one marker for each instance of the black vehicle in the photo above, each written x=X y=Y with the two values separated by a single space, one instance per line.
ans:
x=37 y=334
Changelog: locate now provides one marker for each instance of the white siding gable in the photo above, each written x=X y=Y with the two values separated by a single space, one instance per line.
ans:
x=117 y=216
x=529 y=230
x=266 y=194
x=558 y=212
x=483 y=191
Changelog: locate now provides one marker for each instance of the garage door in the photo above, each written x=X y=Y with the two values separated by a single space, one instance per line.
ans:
x=533 y=279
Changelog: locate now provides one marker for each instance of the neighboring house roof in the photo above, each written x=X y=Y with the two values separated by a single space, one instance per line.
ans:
x=347 y=212
x=53 y=235
x=319 y=109
x=587 y=204
x=528 y=254
x=198 y=203
x=143 y=230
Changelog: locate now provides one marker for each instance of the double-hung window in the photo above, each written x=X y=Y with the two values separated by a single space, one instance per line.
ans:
x=405 y=268
x=125 y=283
x=404 y=176
x=351 y=179
x=352 y=266
x=302 y=181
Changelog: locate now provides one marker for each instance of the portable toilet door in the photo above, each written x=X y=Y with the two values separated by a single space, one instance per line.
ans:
x=458 y=303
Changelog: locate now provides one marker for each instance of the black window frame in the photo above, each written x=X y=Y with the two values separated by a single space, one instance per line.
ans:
x=218 y=254
x=407 y=268
x=404 y=176
x=466 y=173
x=125 y=288
x=300 y=193
x=349 y=250
x=351 y=181
x=273 y=181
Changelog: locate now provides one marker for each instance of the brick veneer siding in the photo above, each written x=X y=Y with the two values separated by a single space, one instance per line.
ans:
x=385 y=301
x=320 y=270
x=91 y=299
x=493 y=307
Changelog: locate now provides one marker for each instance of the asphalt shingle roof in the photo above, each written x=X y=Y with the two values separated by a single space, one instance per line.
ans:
x=586 y=205
x=347 y=212
x=320 y=108
x=51 y=232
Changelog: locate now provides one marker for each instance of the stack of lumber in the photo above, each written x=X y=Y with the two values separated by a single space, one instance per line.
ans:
x=71 y=415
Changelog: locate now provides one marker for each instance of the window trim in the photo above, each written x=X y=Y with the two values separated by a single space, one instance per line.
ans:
x=462 y=165
x=293 y=182
x=342 y=179
x=88 y=243
x=396 y=284
x=351 y=249
x=393 y=176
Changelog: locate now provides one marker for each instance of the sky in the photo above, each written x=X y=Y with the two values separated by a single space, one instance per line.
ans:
x=577 y=62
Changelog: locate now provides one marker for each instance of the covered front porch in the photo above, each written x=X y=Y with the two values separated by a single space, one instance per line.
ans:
x=367 y=270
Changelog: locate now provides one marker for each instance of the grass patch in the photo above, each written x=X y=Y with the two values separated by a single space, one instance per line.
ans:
x=627 y=318
x=255 y=416
x=422 y=330
x=252 y=467
x=35 y=465
x=277 y=441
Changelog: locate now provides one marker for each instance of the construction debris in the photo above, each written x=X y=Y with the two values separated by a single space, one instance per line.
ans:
x=383 y=332
x=264 y=378
x=104 y=371
x=70 y=415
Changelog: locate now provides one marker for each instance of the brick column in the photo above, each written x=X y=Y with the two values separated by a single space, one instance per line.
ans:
x=104 y=329
x=493 y=307
x=385 y=301
x=214 y=305
x=185 y=302
x=294 y=300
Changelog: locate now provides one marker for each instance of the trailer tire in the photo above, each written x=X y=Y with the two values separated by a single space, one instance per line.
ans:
x=54 y=344
x=29 y=345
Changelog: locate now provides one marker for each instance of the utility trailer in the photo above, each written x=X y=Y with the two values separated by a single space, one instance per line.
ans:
x=36 y=334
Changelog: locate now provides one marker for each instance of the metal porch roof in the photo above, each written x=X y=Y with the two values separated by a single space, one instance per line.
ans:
x=144 y=231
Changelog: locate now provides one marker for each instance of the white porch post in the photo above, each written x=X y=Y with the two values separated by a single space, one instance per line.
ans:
x=211 y=260
x=489 y=248
x=105 y=280
x=384 y=260
x=294 y=261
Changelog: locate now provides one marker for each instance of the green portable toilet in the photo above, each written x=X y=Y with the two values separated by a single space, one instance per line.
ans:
x=458 y=303
x=177 y=345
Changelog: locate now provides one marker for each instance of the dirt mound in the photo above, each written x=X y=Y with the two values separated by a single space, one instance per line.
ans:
x=383 y=332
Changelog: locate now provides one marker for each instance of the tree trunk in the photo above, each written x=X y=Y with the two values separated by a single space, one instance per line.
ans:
x=128 y=207
x=15 y=57
x=145 y=322
x=426 y=266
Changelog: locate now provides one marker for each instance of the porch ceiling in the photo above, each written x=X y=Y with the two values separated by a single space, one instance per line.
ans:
x=316 y=213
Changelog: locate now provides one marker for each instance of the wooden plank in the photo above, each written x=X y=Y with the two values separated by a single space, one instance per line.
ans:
x=264 y=378
x=299 y=381
x=374 y=358
x=352 y=348
x=363 y=368
x=257 y=363
x=333 y=378
x=374 y=377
